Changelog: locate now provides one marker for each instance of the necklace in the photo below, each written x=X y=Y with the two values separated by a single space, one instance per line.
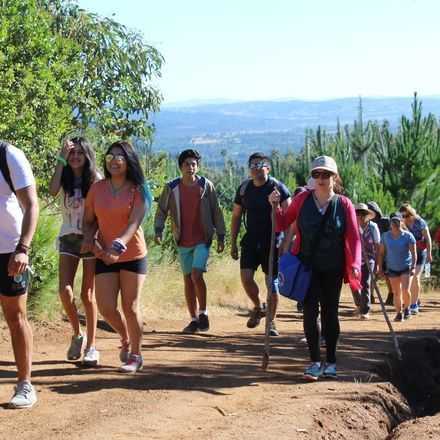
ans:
x=116 y=190
x=321 y=206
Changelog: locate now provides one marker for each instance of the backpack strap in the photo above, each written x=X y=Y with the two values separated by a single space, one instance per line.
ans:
x=4 y=168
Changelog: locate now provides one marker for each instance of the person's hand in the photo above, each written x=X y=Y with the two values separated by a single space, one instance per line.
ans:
x=158 y=239
x=67 y=147
x=110 y=257
x=220 y=246
x=234 y=251
x=18 y=262
x=429 y=258
x=356 y=274
x=274 y=198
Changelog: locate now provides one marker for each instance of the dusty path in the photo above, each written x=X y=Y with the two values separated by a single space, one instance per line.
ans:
x=211 y=386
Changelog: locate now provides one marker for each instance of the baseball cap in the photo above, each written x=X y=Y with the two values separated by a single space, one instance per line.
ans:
x=326 y=163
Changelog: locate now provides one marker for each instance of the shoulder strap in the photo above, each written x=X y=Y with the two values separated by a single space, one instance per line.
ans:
x=4 y=165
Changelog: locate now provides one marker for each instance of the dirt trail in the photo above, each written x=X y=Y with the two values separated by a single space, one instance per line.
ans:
x=211 y=386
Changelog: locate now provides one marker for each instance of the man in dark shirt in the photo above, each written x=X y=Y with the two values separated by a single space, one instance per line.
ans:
x=252 y=205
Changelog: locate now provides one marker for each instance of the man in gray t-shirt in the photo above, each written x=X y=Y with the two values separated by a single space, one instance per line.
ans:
x=18 y=221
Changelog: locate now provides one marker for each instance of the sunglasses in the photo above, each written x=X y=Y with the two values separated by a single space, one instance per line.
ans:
x=405 y=216
x=323 y=174
x=117 y=157
x=258 y=165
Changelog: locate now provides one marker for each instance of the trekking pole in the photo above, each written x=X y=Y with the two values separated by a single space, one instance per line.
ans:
x=266 y=353
x=382 y=306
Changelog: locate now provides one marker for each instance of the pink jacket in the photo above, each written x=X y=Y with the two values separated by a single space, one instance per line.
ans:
x=352 y=241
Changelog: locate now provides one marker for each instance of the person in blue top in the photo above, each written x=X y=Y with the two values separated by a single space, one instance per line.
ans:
x=398 y=247
x=418 y=227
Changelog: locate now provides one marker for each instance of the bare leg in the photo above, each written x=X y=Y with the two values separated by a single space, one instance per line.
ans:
x=14 y=310
x=405 y=281
x=395 y=286
x=88 y=300
x=250 y=286
x=199 y=287
x=190 y=295
x=416 y=285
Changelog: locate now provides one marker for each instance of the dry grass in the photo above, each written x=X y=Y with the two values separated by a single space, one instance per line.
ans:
x=163 y=294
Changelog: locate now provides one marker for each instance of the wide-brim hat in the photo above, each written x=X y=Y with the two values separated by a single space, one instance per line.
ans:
x=325 y=163
x=363 y=207
x=375 y=208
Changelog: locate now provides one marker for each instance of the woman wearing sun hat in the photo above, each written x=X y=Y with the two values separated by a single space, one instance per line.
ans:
x=328 y=241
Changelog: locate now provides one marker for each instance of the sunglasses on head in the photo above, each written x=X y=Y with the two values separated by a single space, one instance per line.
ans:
x=117 y=157
x=324 y=174
x=258 y=165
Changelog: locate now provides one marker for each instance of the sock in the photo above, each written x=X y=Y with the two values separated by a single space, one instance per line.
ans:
x=204 y=312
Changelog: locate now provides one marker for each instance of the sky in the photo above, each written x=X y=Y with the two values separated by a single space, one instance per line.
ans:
x=279 y=49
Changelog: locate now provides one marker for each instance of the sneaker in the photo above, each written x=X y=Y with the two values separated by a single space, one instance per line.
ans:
x=24 y=396
x=203 y=324
x=406 y=314
x=75 y=349
x=364 y=316
x=313 y=371
x=273 y=329
x=389 y=301
x=134 y=363
x=124 y=352
x=91 y=357
x=414 y=309
x=254 y=317
x=192 y=327
x=330 y=371
x=398 y=317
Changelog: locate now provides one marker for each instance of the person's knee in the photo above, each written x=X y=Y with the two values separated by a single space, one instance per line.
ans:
x=16 y=319
x=196 y=276
x=66 y=290
x=88 y=297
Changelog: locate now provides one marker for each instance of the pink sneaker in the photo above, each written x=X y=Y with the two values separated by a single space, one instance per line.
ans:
x=134 y=363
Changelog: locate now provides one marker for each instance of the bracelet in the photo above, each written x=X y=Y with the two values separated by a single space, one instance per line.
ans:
x=21 y=248
x=118 y=246
x=62 y=160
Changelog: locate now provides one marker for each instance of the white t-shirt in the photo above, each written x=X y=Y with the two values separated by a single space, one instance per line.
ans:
x=11 y=215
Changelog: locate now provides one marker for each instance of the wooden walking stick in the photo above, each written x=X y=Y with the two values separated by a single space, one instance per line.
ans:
x=266 y=353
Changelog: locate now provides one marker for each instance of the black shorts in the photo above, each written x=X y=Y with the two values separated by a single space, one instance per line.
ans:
x=255 y=254
x=137 y=266
x=396 y=273
x=11 y=286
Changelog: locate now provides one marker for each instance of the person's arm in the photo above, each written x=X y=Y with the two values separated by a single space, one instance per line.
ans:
x=353 y=238
x=19 y=260
x=428 y=240
x=55 y=182
x=237 y=212
x=380 y=257
x=413 y=250
x=161 y=214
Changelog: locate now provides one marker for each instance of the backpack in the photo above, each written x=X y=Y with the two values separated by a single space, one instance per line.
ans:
x=242 y=192
x=4 y=165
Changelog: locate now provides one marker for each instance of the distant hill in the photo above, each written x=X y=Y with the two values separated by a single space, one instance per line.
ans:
x=243 y=127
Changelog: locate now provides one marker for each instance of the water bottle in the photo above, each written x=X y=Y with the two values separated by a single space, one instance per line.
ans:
x=427 y=270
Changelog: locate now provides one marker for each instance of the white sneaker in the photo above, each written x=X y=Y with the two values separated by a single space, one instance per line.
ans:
x=134 y=363
x=75 y=349
x=91 y=357
x=24 y=396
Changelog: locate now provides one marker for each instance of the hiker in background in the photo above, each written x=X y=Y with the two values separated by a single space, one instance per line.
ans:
x=116 y=207
x=191 y=202
x=384 y=226
x=74 y=174
x=418 y=227
x=370 y=238
x=19 y=216
x=328 y=241
x=252 y=206
x=398 y=247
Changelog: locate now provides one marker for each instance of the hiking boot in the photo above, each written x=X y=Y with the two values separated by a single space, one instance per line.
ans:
x=124 y=352
x=406 y=314
x=134 y=364
x=203 y=324
x=75 y=349
x=389 y=300
x=91 y=357
x=254 y=317
x=330 y=371
x=414 y=309
x=24 y=396
x=273 y=329
x=313 y=371
x=398 y=317
x=192 y=327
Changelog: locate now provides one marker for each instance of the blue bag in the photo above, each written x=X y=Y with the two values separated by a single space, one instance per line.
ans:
x=293 y=277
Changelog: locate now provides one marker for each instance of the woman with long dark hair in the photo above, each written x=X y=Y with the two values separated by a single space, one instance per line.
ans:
x=75 y=173
x=327 y=241
x=115 y=207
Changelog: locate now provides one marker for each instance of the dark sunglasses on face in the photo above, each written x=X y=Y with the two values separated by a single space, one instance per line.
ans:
x=405 y=216
x=323 y=174
x=117 y=157
x=258 y=165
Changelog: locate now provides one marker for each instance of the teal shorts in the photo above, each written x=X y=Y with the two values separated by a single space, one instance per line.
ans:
x=194 y=257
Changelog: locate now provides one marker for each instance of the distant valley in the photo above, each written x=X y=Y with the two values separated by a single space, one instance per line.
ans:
x=243 y=127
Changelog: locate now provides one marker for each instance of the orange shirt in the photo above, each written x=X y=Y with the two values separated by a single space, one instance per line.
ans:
x=191 y=223
x=112 y=213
